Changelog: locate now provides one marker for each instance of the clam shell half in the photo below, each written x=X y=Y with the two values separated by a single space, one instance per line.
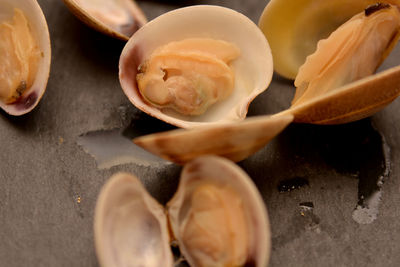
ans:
x=235 y=141
x=127 y=19
x=38 y=25
x=253 y=69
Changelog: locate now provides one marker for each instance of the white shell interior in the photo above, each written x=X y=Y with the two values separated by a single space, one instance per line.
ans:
x=130 y=226
x=37 y=21
x=221 y=172
x=253 y=69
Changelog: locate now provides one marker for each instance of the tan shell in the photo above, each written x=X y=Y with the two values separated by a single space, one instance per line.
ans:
x=136 y=17
x=300 y=28
x=253 y=70
x=130 y=227
x=37 y=22
x=235 y=141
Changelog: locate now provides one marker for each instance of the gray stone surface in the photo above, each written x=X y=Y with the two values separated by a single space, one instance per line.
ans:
x=49 y=184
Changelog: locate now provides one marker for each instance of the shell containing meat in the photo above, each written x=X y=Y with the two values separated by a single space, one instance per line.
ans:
x=174 y=67
x=25 y=55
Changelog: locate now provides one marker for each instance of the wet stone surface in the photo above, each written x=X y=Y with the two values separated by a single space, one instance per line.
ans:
x=332 y=192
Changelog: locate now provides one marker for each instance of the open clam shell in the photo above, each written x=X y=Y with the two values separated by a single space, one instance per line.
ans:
x=300 y=28
x=130 y=227
x=38 y=28
x=116 y=18
x=219 y=173
x=253 y=68
x=235 y=141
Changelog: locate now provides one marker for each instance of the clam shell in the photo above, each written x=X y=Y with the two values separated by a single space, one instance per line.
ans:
x=220 y=172
x=130 y=227
x=40 y=32
x=235 y=141
x=293 y=27
x=137 y=17
x=253 y=69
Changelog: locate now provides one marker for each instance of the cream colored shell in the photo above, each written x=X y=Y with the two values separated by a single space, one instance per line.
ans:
x=40 y=32
x=253 y=69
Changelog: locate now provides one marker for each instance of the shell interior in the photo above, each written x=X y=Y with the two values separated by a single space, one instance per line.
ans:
x=38 y=25
x=253 y=72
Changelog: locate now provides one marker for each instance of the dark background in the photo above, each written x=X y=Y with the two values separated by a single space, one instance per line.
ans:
x=49 y=184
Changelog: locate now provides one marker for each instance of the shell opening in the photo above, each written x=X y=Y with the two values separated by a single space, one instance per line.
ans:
x=189 y=75
x=353 y=51
x=20 y=57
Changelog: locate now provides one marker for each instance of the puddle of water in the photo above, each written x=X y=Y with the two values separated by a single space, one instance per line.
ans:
x=111 y=148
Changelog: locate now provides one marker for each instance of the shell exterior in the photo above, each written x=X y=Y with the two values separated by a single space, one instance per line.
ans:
x=37 y=22
x=235 y=141
x=220 y=173
x=130 y=227
x=352 y=102
x=253 y=70
x=293 y=27
x=80 y=8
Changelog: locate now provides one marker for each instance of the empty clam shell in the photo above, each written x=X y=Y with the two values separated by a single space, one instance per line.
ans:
x=253 y=67
x=116 y=18
x=130 y=227
x=26 y=55
x=230 y=227
x=235 y=141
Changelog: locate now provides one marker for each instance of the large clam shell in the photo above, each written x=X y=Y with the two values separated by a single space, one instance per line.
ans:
x=235 y=141
x=38 y=26
x=300 y=28
x=127 y=19
x=131 y=228
x=253 y=69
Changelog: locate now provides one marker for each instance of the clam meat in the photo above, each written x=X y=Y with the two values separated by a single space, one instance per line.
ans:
x=217 y=217
x=188 y=75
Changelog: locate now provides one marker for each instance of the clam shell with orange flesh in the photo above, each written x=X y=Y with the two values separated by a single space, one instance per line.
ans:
x=26 y=50
x=253 y=67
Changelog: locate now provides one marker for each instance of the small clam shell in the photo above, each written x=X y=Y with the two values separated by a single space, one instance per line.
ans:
x=38 y=26
x=222 y=174
x=253 y=69
x=98 y=14
x=130 y=227
x=235 y=141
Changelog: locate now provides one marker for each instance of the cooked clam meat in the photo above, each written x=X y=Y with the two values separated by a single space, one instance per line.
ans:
x=189 y=75
x=19 y=57
x=355 y=50
x=215 y=227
